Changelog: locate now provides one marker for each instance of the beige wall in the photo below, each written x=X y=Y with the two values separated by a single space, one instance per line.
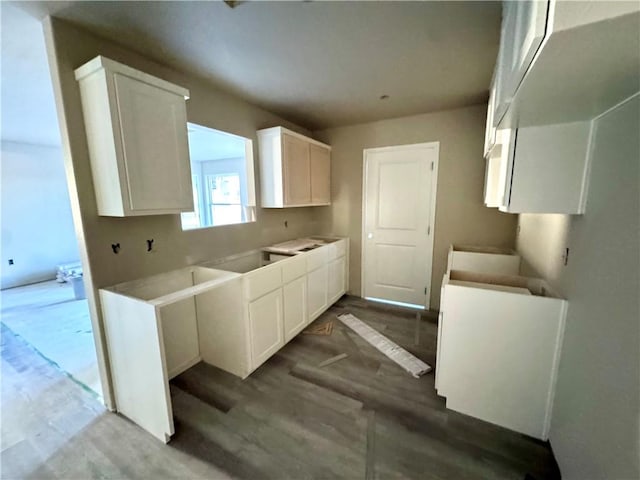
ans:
x=595 y=426
x=461 y=216
x=68 y=48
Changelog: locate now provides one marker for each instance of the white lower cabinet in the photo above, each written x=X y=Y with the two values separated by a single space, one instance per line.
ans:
x=295 y=307
x=233 y=313
x=317 y=284
x=499 y=341
x=266 y=326
x=336 y=279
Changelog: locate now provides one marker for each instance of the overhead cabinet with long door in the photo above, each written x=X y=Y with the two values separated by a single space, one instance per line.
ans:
x=562 y=61
x=136 y=127
x=295 y=171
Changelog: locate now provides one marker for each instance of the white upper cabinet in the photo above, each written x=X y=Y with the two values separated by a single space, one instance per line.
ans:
x=295 y=171
x=540 y=169
x=136 y=128
x=563 y=61
x=523 y=28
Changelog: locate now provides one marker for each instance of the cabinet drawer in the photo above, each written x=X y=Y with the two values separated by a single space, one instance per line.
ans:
x=337 y=249
x=293 y=268
x=263 y=281
x=317 y=258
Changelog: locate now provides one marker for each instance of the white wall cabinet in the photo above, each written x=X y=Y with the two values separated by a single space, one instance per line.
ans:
x=295 y=171
x=540 y=169
x=556 y=61
x=522 y=32
x=136 y=127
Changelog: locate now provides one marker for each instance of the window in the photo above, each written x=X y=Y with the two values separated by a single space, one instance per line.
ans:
x=223 y=184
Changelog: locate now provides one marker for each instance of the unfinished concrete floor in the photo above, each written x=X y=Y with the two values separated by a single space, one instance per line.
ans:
x=48 y=317
x=361 y=417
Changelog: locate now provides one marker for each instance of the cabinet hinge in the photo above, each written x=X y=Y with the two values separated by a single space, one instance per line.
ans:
x=429 y=230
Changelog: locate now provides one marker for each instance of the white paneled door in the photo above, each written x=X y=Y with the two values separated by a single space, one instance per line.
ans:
x=399 y=212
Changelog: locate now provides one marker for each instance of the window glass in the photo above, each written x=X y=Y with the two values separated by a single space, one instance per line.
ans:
x=223 y=184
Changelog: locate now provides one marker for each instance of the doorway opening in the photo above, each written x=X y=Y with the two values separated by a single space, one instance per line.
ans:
x=42 y=298
x=399 y=205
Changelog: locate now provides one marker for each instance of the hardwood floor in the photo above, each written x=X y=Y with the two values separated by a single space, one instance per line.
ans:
x=361 y=417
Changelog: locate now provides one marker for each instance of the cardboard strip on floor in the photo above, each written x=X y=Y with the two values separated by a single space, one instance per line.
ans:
x=409 y=362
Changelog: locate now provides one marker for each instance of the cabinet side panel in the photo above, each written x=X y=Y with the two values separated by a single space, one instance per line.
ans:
x=136 y=352
x=549 y=168
x=222 y=328
x=270 y=155
x=320 y=165
x=102 y=150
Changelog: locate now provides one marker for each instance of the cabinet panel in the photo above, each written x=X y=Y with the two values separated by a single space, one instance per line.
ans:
x=336 y=283
x=546 y=169
x=320 y=174
x=154 y=146
x=293 y=268
x=317 y=292
x=266 y=324
x=297 y=171
x=263 y=280
x=295 y=307
x=180 y=336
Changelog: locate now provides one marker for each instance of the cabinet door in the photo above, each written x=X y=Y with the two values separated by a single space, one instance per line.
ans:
x=336 y=283
x=296 y=171
x=155 y=155
x=320 y=174
x=317 y=291
x=265 y=319
x=295 y=307
x=530 y=19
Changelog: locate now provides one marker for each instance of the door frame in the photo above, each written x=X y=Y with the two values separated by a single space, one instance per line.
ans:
x=432 y=212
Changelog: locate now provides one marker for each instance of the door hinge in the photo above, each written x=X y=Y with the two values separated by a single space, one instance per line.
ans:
x=429 y=230
x=425 y=290
x=432 y=166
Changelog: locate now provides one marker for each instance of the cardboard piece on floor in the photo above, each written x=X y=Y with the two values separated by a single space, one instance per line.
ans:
x=409 y=362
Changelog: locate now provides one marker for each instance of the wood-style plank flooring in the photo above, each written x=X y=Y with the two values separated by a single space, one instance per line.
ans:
x=361 y=417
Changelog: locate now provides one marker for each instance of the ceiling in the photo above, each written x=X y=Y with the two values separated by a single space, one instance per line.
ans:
x=317 y=63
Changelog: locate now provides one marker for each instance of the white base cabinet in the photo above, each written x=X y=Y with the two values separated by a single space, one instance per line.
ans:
x=499 y=347
x=234 y=314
